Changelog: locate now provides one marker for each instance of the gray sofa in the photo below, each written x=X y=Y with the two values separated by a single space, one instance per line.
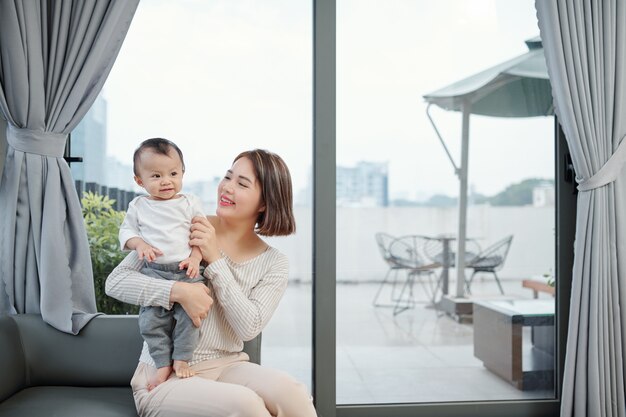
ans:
x=48 y=373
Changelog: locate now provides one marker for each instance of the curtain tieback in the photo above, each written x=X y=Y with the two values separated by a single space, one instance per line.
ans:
x=36 y=141
x=609 y=171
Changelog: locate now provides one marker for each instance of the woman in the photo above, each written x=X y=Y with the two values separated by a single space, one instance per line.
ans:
x=246 y=279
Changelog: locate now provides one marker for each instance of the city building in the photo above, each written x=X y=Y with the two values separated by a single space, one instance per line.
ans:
x=543 y=195
x=206 y=191
x=89 y=141
x=364 y=185
x=119 y=175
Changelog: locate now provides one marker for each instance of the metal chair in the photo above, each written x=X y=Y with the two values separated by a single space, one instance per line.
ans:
x=490 y=260
x=384 y=240
x=407 y=254
x=434 y=250
x=440 y=251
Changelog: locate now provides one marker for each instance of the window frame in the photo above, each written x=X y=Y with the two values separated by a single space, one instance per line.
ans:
x=324 y=255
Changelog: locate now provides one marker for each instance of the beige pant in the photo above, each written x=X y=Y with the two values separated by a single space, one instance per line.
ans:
x=225 y=387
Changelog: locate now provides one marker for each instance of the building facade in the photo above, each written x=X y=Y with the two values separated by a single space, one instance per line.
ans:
x=364 y=185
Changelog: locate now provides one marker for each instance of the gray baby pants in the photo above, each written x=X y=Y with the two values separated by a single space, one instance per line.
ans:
x=169 y=334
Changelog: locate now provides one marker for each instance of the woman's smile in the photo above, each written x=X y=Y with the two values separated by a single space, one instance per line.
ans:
x=225 y=201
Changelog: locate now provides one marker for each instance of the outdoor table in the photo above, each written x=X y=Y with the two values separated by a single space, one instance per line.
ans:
x=447 y=258
x=498 y=341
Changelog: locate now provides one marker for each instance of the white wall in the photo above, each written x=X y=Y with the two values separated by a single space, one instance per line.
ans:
x=532 y=251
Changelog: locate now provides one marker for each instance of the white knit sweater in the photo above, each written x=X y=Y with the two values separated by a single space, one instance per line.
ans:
x=245 y=295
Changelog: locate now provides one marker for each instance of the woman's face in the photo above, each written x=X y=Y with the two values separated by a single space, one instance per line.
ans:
x=239 y=192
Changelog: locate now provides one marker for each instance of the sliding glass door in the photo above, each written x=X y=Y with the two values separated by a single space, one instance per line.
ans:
x=405 y=334
x=447 y=205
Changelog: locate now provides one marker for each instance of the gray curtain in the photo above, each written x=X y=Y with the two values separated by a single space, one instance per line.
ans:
x=54 y=58
x=585 y=47
x=3 y=141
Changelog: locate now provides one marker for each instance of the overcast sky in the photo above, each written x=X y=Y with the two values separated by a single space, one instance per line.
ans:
x=221 y=76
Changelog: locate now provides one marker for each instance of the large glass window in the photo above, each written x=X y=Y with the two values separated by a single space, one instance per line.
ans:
x=223 y=76
x=217 y=78
x=408 y=329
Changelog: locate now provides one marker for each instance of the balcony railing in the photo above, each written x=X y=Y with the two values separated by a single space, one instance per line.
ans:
x=121 y=197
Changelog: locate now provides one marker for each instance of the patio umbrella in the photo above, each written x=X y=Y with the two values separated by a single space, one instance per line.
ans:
x=519 y=87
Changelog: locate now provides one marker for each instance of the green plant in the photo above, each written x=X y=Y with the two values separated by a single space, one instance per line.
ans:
x=103 y=222
x=549 y=276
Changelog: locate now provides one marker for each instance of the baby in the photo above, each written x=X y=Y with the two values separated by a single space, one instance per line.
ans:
x=157 y=227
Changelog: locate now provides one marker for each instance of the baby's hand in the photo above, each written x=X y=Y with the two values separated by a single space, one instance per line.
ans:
x=147 y=252
x=193 y=266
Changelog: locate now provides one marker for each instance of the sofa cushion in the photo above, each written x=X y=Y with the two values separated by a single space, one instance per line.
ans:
x=70 y=402
x=49 y=373
x=104 y=353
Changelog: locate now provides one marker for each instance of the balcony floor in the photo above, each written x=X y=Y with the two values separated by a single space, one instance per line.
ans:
x=416 y=356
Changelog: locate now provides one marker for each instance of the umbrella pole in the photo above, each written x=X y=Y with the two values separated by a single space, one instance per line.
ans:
x=461 y=236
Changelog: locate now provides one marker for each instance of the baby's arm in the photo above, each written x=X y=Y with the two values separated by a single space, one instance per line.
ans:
x=192 y=263
x=129 y=236
x=144 y=251
x=195 y=258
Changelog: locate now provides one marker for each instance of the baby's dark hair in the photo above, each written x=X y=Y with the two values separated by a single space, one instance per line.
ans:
x=157 y=145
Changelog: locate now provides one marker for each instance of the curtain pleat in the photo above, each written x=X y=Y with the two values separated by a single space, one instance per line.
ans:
x=585 y=47
x=54 y=59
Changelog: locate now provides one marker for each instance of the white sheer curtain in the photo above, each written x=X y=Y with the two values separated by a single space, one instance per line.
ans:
x=585 y=47
x=54 y=58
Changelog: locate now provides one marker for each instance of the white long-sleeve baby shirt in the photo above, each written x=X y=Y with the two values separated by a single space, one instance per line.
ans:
x=163 y=224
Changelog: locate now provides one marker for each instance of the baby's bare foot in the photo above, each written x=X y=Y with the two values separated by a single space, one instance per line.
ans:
x=160 y=376
x=182 y=369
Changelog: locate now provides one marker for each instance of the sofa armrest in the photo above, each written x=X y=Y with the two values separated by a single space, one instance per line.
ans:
x=253 y=349
x=104 y=353
x=12 y=360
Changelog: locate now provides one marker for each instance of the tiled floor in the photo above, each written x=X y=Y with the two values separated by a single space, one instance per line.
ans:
x=416 y=356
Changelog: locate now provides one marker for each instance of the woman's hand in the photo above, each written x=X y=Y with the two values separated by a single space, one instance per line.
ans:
x=195 y=298
x=203 y=237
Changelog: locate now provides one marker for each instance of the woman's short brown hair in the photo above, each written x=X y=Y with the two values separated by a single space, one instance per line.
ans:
x=276 y=193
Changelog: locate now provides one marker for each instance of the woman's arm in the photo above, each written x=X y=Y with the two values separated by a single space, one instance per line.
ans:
x=129 y=285
x=203 y=237
x=248 y=314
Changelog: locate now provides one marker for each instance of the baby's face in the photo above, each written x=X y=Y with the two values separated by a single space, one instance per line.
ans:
x=160 y=175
